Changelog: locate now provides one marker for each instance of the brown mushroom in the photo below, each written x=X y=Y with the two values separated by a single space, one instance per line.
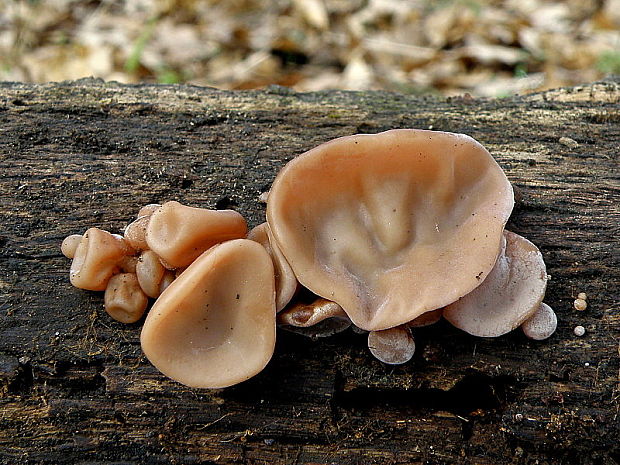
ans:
x=286 y=282
x=70 y=244
x=214 y=326
x=179 y=234
x=97 y=258
x=150 y=272
x=510 y=294
x=377 y=223
x=320 y=318
x=123 y=299
x=541 y=324
x=393 y=346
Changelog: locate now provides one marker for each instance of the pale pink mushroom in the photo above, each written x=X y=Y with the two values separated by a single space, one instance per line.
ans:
x=70 y=244
x=391 y=225
x=541 y=324
x=510 y=294
x=286 y=282
x=97 y=258
x=123 y=299
x=150 y=272
x=215 y=325
x=320 y=318
x=178 y=234
x=393 y=346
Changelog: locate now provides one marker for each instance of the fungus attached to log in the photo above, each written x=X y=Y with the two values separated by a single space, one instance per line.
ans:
x=214 y=326
x=135 y=232
x=320 y=318
x=70 y=244
x=286 y=282
x=97 y=259
x=393 y=346
x=510 y=294
x=542 y=324
x=376 y=223
x=178 y=234
x=150 y=272
x=124 y=300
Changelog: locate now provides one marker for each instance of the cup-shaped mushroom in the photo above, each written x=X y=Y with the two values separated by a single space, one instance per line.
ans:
x=123 y=299
x=135 y=232
x=286 y=282
x=510 y=294
x=391 y=225
x=150 y=272
x=97 y=258
x=70 y=244
x=215 y=325
x=320 y=318
x=179 y=234
x=393 y=346
x=542 y=324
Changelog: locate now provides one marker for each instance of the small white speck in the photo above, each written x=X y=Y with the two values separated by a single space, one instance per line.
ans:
x=579 y=331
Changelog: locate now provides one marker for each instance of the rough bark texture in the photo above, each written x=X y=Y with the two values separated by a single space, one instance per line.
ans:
x=75 y=388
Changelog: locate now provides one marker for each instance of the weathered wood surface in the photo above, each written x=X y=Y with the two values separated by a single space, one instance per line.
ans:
x=75 y=388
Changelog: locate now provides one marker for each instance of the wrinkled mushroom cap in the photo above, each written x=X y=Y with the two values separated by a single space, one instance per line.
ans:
x=391 y=225
x=286 y=282
x=542 y=324
x=97 y=258
x=509 y=295
x=124 y=300
x=393 y=346
x=178 y=234
x=215 y=325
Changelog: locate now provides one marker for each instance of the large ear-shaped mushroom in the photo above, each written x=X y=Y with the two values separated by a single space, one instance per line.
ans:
x=215 y=325
x=179 y=234
x=286 y=282
x=97 y=258
x=391 y=225
x=510 y=294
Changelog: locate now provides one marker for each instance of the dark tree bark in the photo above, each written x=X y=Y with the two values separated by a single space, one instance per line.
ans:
x=75 y=388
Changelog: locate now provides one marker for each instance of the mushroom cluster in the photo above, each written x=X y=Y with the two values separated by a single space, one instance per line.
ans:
x=382 y=233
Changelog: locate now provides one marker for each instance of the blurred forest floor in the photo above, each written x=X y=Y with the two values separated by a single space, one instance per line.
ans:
x=483 y=47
